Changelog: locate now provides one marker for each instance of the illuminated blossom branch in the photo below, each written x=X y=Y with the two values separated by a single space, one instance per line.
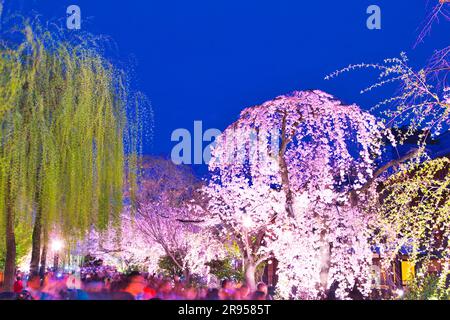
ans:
x=421 y=103
x=437 y=11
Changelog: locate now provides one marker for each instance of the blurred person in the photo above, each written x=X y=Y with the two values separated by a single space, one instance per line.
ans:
x=227 y=290
x=262 y=287
x=258 y=295
x=165 y=291
x=94 y=287
x=18 y=285
x=107 y=284
x=136 y=286
x=53 y=288
x=34 y=287
x=118 y=290
x=73 y=282
x=178 y=290
x=190 y=293
x=202 y=293
x=149 y=293
x=243 y=293
x=213 y=294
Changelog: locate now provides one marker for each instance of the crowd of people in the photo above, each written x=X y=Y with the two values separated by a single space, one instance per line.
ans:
x=106 y=283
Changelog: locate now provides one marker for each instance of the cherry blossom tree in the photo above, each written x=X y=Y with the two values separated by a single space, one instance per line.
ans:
x=124 y=247
x=285 y=183
x=243 y=214
x=165 y=216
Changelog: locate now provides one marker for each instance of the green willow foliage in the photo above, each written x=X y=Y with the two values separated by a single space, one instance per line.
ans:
x=427 y=288
x=63 y=126
x=414 y=213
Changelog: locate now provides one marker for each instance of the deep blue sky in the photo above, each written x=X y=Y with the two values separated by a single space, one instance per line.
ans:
x=208 y=59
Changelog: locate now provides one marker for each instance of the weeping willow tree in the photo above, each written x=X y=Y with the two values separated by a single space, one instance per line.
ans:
x=414 y=214
x=65 y=143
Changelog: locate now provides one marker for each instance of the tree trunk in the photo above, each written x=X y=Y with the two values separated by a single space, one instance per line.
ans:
x=36 y=243
x=284 y=172
x=286 y=186
x=187 y=275
x=10 y=263
x=43 y=257
x=325 y=256
x=250 y=275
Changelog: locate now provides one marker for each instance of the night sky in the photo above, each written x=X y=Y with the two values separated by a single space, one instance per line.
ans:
x=208 y=59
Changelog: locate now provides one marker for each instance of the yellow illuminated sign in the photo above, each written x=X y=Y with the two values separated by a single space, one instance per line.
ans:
x=407 y=271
